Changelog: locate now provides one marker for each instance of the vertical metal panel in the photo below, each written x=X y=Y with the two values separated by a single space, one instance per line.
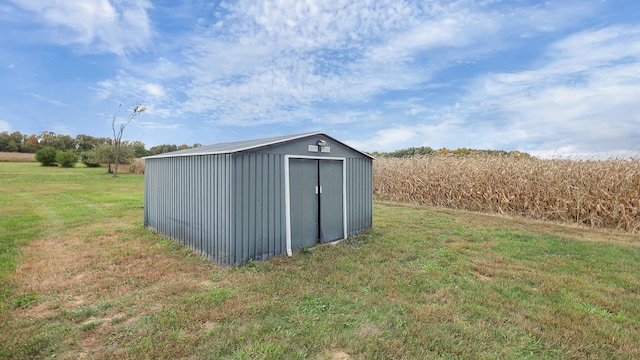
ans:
x=331 y=200
x=277 y=234
x=238 y=203
x=277 y=237
x=237 y=197
x=185 y=217
x=220 y=200
x=276 y=213
x=262 y=237
x=253 y=207
x=206 y=200
x=181 y=179
x=269 y=227
x=195 y=210
x=360 y=194
x=229 y=207
x=212 y=202
x=202 y=204
x=201 y=210
x=204 y=208
x=181 y=176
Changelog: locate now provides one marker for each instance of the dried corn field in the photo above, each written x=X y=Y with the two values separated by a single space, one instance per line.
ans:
x=602 y=193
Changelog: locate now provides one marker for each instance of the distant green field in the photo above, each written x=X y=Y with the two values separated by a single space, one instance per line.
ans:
x=80 y=277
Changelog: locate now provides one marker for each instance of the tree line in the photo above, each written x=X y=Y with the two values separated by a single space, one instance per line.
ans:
x=426 y=151
x=91 y=149
x=53 y=149
x=23 y=143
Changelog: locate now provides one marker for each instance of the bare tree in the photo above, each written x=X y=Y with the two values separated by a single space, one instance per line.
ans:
x=117 y=136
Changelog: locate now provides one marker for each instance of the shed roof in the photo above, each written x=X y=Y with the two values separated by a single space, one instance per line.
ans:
x=244 y=145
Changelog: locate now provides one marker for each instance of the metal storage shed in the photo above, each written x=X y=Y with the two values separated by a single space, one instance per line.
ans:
x=254 y=199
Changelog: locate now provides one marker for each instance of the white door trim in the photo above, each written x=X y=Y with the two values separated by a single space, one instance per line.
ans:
x=287 y=194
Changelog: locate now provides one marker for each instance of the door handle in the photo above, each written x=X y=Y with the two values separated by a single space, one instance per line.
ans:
x=318 y=190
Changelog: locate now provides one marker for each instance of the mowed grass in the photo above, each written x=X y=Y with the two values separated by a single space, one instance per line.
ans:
x=82 y=278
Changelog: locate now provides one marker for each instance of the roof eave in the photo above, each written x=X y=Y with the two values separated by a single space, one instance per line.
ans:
x=252 y=147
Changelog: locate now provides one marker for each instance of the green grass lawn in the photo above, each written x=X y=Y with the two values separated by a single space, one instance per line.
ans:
x=81 y=277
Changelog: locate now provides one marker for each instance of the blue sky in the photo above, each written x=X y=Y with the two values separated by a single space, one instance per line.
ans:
x=552 y=78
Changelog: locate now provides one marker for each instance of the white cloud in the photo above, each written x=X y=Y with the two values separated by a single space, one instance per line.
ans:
x=5 y=126
x=154 y=90
x=156 y=125
x=47 y=99
x=127 y=86
x=551 y=16
x=582 y=98
x=578 y=99
x=276 y=58
x=456 y=29
x=317 y=24
x=439 y=134
x=161 y=70
x=96 y=25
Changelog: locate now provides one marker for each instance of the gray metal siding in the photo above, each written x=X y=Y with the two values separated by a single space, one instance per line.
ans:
x=188 y=199
x=260 y=206
x=359 y=194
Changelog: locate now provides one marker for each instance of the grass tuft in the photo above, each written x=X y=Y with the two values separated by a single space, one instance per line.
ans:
x=25 y=300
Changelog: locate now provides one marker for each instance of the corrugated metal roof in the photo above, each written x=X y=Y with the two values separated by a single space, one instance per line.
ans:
x=238 y=146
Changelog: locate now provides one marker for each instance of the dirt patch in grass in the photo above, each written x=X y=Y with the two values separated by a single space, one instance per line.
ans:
x=100 y=285
x=334 y=354
x=98 y=267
